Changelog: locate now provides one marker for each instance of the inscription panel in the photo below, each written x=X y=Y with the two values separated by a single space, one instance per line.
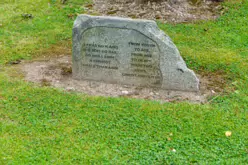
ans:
x=99 y=56
x=119 y=56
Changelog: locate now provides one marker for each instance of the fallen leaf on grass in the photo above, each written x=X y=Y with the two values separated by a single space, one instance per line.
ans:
x=27 y=16
x=173 y=150
x=228 y=133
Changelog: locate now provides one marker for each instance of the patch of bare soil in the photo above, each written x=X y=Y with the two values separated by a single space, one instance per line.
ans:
x=174 y=11
x=57 y=72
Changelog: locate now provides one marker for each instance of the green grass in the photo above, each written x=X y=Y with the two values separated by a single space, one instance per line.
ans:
x=21 y=38
x=42 y=125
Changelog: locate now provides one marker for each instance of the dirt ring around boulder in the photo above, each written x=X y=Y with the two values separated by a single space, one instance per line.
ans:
x=56 y=72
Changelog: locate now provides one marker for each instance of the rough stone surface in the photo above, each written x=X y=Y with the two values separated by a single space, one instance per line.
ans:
x=125 y=51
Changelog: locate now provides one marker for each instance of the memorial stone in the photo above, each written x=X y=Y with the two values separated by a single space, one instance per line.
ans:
x=127 y=51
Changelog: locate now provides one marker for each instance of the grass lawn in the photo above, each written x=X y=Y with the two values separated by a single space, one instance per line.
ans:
x=43 y=125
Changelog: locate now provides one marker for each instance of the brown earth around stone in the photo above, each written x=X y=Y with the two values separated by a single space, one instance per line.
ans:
x=56 y=71
x=173 y=11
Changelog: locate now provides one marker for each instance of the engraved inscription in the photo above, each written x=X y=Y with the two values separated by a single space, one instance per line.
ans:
x=129 y=57
x=100 y=56
x=143 y=62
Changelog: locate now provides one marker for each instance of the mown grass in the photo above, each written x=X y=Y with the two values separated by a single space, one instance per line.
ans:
x=22 y=37
x=42 y=125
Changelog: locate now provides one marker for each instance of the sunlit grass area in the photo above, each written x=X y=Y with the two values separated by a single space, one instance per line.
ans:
x=43 y=125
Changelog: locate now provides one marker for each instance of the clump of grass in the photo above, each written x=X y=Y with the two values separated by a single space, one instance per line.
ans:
x=45 y=82
x=66 y=70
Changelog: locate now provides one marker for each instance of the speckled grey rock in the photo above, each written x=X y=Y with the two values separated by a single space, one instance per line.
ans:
x=127 y=51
